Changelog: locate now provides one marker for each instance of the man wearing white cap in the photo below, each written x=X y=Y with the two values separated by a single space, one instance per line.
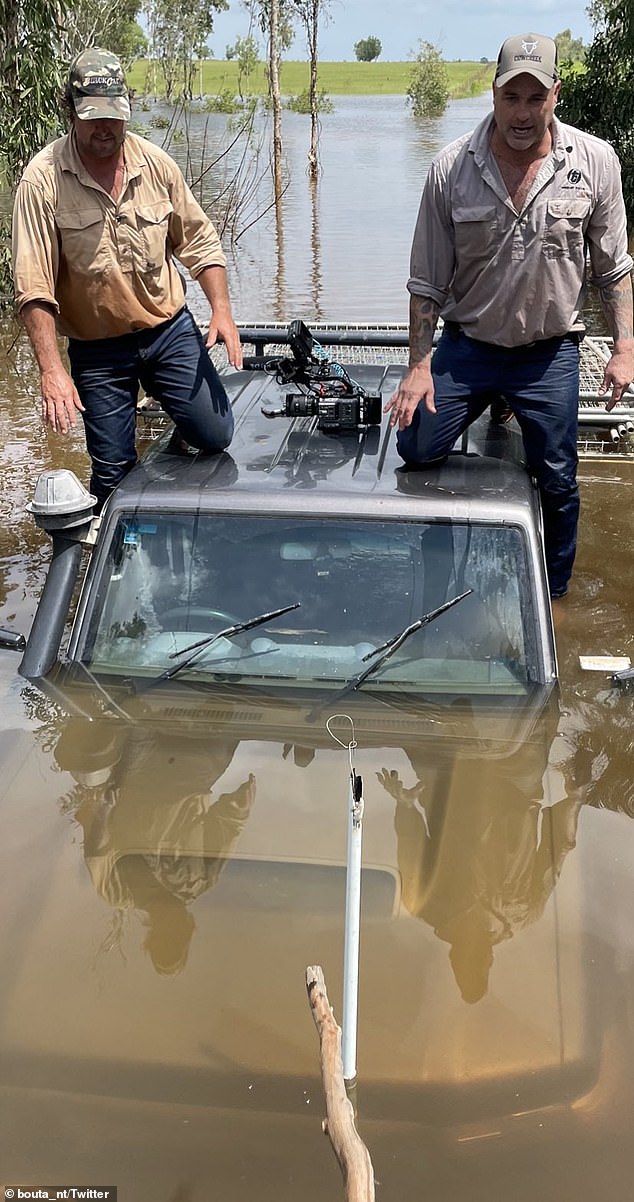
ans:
x=100 y=216
x=508 y=216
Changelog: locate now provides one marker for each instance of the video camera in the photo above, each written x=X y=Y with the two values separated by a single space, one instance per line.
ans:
x=326 y=391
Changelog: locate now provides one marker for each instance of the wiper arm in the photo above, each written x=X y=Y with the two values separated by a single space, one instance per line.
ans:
x=393 y=644
x=193 y=650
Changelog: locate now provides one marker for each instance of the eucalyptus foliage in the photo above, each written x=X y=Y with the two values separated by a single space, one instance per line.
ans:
x=281 y=10
x=31 y=77
x=31 y=73
x=601 y=98
x=108 y=23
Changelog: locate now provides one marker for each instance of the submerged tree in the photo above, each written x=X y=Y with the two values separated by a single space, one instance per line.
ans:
x=309 y=13
x=246 y=53
x=276 y=97
x=601 y=98
x=275 y=20
x=178 y=32
x=428 y=87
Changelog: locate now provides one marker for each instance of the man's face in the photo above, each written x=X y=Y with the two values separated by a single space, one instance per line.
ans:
x=523 y=111
x=99 y=139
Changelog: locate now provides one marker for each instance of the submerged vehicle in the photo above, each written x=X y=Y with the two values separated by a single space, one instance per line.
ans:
x=245 y=625
x=311 y=513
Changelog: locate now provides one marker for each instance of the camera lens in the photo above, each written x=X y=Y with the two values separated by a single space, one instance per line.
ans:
x=299 y=406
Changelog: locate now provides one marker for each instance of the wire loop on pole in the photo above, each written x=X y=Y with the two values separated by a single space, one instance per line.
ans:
x=351 y=744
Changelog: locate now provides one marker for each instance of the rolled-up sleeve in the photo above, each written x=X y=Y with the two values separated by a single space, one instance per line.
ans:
x=193 y=236
x=35 y=249
x=607 y=229
x=432 y=261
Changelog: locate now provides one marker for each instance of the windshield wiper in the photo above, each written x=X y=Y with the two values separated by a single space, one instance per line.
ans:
x=387 y=649
x=193 y=650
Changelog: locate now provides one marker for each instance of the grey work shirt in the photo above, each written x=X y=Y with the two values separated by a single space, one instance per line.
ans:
x=512 y=278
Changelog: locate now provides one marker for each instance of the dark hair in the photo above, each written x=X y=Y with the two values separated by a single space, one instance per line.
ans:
x=66 y=103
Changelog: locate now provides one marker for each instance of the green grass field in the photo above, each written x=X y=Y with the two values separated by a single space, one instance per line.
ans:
x=335 y=79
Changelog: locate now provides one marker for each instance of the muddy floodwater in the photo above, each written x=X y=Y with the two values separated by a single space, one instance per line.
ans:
x=166 y=877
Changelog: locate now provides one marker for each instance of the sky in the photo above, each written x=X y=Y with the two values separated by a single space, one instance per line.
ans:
x=460 y=28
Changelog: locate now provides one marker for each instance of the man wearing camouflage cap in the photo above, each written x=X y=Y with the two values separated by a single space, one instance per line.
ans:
x=100 y=216
x=508 y=216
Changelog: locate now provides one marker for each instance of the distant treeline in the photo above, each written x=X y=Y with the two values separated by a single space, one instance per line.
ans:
x=214 y=77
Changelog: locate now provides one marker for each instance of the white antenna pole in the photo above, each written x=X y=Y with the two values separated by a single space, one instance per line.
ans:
x=352 y=930
x=352 y=922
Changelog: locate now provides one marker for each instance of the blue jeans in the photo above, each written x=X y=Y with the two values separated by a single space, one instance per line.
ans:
x=541 y=385
x=172 y=364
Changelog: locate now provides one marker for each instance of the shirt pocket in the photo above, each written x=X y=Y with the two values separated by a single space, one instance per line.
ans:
x=564 y=227
x=476 y=229
x=153 y=227
x=81 y=233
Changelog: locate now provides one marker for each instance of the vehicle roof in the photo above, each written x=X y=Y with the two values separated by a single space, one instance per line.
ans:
x=300 y=469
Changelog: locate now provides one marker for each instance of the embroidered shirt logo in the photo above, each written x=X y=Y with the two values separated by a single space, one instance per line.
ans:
x=574 y=176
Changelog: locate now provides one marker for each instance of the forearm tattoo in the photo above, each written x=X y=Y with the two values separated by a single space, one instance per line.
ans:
x=423 y=318
x=617 y=306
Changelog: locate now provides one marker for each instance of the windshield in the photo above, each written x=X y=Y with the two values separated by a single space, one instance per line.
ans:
x=172 y=579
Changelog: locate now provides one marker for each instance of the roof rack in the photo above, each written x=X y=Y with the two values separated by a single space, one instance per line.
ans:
x=600 y=433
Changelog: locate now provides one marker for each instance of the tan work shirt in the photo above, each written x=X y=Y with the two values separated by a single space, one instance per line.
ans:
x=512 y=278
x=106 y=267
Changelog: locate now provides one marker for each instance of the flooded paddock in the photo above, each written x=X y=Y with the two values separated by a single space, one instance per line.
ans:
x=166 y=878
x=167 y=872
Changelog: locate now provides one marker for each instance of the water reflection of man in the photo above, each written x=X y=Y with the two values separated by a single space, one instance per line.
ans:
x=603 y=754
x=478 y=852
x=152 y=840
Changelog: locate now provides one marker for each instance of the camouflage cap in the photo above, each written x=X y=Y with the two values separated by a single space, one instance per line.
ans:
x=98 y=87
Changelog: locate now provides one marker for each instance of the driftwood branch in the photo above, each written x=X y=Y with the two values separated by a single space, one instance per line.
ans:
x=349 y=1148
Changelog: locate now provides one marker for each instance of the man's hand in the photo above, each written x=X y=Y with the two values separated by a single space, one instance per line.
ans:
x=618 y=307
x=618 y=375
x=392 y=783
x=60 y=400
x=224 y=327
x=213 y=281
x=416 y=386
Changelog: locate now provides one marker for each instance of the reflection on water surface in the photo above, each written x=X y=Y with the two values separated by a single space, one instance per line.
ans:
x=172 y=873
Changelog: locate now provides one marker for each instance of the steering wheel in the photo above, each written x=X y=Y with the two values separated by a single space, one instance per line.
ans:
x=197 y=617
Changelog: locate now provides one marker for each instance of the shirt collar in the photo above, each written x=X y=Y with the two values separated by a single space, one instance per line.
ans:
x=559 y=143
x=479 y=140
